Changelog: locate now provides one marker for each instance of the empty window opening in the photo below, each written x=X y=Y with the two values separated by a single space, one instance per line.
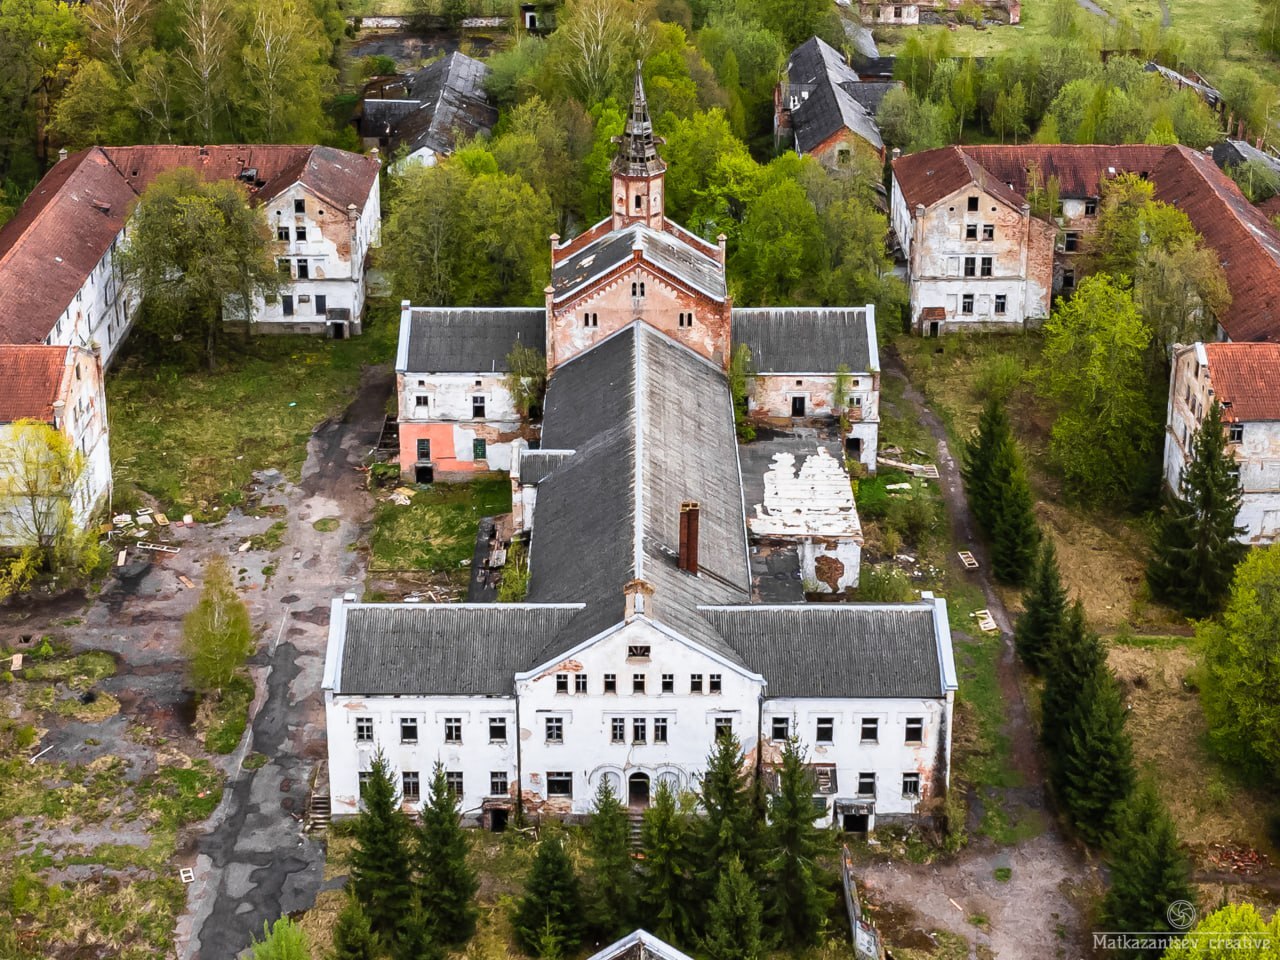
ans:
x=498 y=783
x=304 y=271
x=560 y=784
x=988 y=231
x=1071 y=242
x=660 y=730
x=724 y=727
x=870 y=730
x=453 y=781
x=1235 y=433
x=408 y=730
x=1091 y=207
x=610 y=683
x=714 y=683
x=637 y=683
x=618 y=730
x=866 y=784
x=911 y=785
x=639 y=731
x=300 y=234
x=973 y=203
x=411 y=786
x=971 y=231
x=580 y=683
x=966 y=303
x=638 y=651
x=668 y=683
x=826 y=732
x=286 y=305
x=915 y=729
x=639 y=201
x=985 y=267
x=562 y=683
x=453 y=730
x=780 y=728
x=497 y=729
x=477 y=408
x=1002 y=303
x=695 y=683
x=282 y=233
x=797 y=406
x=970 y=266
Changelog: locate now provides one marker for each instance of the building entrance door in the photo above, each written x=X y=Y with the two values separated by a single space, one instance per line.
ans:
x=638 y=790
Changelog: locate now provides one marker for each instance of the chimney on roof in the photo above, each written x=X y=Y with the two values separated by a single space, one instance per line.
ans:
x=689 y=516
x=896 y=153
x=62 y=154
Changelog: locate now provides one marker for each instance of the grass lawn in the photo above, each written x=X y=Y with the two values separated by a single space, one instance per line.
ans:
x=1208 y=802
x=437 y=531
x=192 y=439
x=87 y=849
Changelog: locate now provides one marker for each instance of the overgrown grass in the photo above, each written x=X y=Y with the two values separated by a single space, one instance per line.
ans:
x=271 y=538
x=192 y=439
x=228 y=716
x=437 y=531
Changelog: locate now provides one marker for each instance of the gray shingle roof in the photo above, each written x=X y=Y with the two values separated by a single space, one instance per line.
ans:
x=807 y=339
x=466 y=339
x=820 y=77
x=837 y=650
x=537 y=465
x=429 y=649
x=665 y=251
x=431 y=108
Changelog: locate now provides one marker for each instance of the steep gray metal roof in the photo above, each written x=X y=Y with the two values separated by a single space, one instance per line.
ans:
x=665 y=251
x=837 y=650
x=806 y=339
x=433 y=107
x=819 y=76
x=445 y=649
x=610 y=513
x=536 y=465
x=468 y=340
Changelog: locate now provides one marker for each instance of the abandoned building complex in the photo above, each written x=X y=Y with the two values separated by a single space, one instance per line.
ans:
x=876 y=13
x=981 y=255
x=1245 y=379
x=641 y=638
x=420 y=118
x=824 y=109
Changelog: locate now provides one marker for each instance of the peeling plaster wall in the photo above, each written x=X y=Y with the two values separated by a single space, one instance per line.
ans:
x=445 y=420
x=898 y=14
x=888 y=758
x=102 y=311
x=832 y=563
x=1257 y=454
x=770 y=396
x=475 y=757
x=612 y=307
x=828 y=152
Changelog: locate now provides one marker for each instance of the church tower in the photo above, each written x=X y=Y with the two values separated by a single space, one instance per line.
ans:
x=637 y=169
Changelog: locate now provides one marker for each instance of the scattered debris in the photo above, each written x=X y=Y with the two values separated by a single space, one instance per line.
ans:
x=123 y=519
x=986 y=622
x=145 y=519
x=1237 y=859
x=120 y=557
x=162 y=519
x=157 y=547
x=244 y=547
x=144 y=512
x=187 y=875
x=186 y=582
x=968 y=559
x=897 y=486
x=926 y=471
x=188 y=519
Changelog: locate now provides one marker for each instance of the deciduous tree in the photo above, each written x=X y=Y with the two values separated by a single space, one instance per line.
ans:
x=217 y=635
x=42 y=492
x=1196 y=548
x=1236 y=932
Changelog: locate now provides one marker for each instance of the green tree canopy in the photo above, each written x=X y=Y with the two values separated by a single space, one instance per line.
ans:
x=799 y=895
x=446 y=883
x=217 y=636
x=667 y=868
x=380 y=860
x=612 y=884
x=551 y=910
x=282 y=940
x=734 y=928
x=1236 y=918
x=1044 y=610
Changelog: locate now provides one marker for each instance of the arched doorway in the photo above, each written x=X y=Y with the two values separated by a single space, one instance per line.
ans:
x=638 y=790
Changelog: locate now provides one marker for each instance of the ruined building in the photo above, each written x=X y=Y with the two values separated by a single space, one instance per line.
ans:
x=640 y=640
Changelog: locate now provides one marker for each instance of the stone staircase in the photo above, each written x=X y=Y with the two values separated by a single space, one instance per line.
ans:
x=318 y=804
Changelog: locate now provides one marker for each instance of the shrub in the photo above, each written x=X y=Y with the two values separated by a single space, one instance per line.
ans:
x=997 y=378
x=885 y=584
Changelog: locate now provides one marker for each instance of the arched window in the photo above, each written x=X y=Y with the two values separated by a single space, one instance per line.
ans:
x=642 y=288
x=634 y=288
x=638 y=201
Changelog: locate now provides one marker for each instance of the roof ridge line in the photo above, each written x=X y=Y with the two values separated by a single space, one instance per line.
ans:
x=638 y=422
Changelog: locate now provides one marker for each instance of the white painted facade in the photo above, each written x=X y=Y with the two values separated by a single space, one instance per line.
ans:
x=1255 y=444
x=102 y=310
x=572 y=733
x=774 y=395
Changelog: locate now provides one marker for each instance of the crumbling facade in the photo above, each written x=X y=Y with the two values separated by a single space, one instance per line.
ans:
x=1245 y=379
x=638 y=643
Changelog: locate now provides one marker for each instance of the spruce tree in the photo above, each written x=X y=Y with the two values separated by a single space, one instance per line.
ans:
x=1196 y=550
x=613 y=874
x=380 y=870
x=734 y=929
x=1075 y=656
x=1045 y=612
x=1014 y=534
x=727 y=799
x=1148 y=870
x=446 y=883
x=979 y=454
x=552 y=902
x=1096 y=763
x=416 y=939
x=799 y=898
x=666 y=871
x=352 y=935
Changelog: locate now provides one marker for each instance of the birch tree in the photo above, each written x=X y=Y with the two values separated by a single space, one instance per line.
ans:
x=118 y=29
x=596 y=45
x=217 y=635
x=286 y=71
x=206 y=28
x=39 y=482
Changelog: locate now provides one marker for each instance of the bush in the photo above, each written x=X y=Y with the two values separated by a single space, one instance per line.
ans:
x=997 y=378
x=885 y=584
x=871 y=496
x=229 y=716
x=913 y=514
x=515 y=574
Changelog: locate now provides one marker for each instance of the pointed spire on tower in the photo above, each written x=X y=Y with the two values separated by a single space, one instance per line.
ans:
x=638 y=151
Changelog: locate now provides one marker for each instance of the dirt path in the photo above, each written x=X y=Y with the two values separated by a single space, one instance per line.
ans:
x=1034 y=914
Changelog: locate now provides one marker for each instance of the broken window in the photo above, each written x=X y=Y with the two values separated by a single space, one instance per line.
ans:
x=283 y=267
x=560 y=784
x=870 y=730
x=970 y=266
x=973 y=204
x=299 y=206
x=453 y=780
x=580 y=683
x=911 y=784
x=660 y=730
x=304 y=271
x=300 y=233
x=421 y=401
x=966 y=303
x=985 y=268
x=842 y=157
x=411 y=786
x=1002 y=302
x=610 y=683
x=364 y=729
x=1071 y=242
x=1068 y=279
x=479 y=449
x=322 y=305
x=695 y=683
x=282 y=233
x=1235 y=433
x=971 y=231
x=826 y=730
x=668 y=683
x=497 y=729
x=363 y=778
x=639 y=731
x=639 y=202
x=562 y=683
x=1091 y=207
x=780 y=728
x=988 y=231
x=555 y=729
x=637 y=683
x=915 y=729
x=714 y=683
x=638 y=651
x=424 y=448
x=618 y=730
x=866 y=784
x=408 y=729
x=452 y=729
x=724 y=727
x=477 y=407
x=498 y=783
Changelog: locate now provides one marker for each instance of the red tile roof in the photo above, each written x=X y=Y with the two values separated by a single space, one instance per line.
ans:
x=1245 y=379
x=1247 y=244
x=32 y=381
x=66 y=226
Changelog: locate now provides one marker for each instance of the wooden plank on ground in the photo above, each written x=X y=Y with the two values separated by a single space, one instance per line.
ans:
x=162 y=519
x=968 y=559
x=986 y=622
x=186 y=582
x=120 y=557
x=157 y=547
